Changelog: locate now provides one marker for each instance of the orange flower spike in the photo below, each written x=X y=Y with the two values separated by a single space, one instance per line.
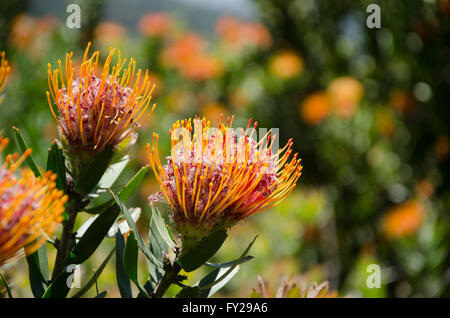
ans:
x=225 y=180
x=30 y=208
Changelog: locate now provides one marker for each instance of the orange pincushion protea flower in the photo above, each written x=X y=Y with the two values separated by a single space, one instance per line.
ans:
x=95 y=112
x=30 y=208
x=237 y=34
x=214 y=182
x=4 y=71
x=404 y=220
x=157 y=24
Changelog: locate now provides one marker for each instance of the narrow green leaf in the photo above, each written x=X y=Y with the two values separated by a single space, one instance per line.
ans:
x=123 y=194
x=56 y=163
x=93 y=236
x=90 y=178
x=161 y=229
x=94 y=277
x=228 y=264
x=203 y=251
x=102 y=294
x=113 y=172
x=23 y=147
x=109 y=178
x=158 y=245
x=60 y=287
x=43 y=262
x=231 y=269
x=133 y=226
x=122 y=279
x=130 y=262
x=5 y=283
x=35 y=276
x=189 y=292
x=148 y=288
x=130 y=257
x=221 y=275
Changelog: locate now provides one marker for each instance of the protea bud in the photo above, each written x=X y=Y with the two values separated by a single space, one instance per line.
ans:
x=30 y=208
x=220 y=177
x=95 y=112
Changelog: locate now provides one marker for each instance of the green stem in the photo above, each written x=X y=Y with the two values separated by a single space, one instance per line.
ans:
x=67 y=238
x=170 y=277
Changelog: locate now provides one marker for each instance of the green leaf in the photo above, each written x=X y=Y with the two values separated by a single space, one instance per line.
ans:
x=160 y=232
x=189 y=292
x=5 y=283
x=94 y=235
x=203 y=251
x=92 y=175
x=123 y=194
x=60 y=286
x=130 y=257
x=102 y=294
x=160 y=242
x=95 y=276
x=220 y=274
x=56 y=163
x=122 y=279
x=36 y=261
x=219 y=277
x=133 y=226
x=228 y=274
x=229 y=264
x=112 y=173
x=29 y=160
x=130 y=262
x=148 y=288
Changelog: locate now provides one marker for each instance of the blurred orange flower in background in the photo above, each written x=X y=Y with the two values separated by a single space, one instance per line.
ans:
x=214 y=111
x=402 y=101
x=384 y=122
x=286 y=64
x=345 y=93
x=158 y=24
x=424 y=188
x=404 y=219
x=202 y=67
x=442 y=147
x=237 y=34
x=23 y=27
x=109 y=32
x=315 y=108
x=188 y=56
x=181 y=49
x=28 y=32
x=238 y=99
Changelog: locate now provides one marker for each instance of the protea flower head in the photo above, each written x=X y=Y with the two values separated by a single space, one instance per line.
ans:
x=30 y=208
x=4 y=71
x=98 y=111
x=220 y=177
